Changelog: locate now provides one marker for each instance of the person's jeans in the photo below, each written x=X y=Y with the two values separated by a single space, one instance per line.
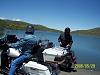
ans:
x=17 y=61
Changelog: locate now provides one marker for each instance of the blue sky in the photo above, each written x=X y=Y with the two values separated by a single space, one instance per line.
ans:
x=57 y=14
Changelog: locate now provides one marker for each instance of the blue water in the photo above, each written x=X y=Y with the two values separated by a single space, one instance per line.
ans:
x=86 y=48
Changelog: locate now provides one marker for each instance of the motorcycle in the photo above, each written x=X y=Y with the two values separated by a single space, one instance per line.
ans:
x=29 y=67
x=33 y=66
x=69 y=60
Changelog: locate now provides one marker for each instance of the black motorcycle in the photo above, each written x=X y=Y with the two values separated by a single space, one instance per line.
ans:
x=4 y=46
x=10 y=53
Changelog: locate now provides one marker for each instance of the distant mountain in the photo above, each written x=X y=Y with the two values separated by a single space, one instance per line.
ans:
x=94 y=31
x=9 y=24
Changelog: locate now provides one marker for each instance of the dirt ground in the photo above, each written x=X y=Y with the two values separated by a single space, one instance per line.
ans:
x=81 y=72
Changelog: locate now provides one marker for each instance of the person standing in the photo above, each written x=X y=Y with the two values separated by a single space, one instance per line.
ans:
x=65 y=38
x=66 y=41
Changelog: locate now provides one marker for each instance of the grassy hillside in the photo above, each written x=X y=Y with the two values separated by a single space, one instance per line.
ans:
x=13 y=24
x=1 y=31
x=44 y=28
x=94 y=31
x=9 y=24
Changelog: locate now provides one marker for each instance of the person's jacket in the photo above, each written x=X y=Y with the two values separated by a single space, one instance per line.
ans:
x=28 y=44
x=65 y=40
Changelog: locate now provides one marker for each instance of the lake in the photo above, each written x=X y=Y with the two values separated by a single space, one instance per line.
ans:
x=86 y=48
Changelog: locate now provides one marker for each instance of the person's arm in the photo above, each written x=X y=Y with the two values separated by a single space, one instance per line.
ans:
x=71 y=41
x=59 y=39
x=20 y=44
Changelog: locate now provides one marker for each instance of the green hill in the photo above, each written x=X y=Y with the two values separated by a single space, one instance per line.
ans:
x=94 y=32
x=9 y=24
x=1 y=31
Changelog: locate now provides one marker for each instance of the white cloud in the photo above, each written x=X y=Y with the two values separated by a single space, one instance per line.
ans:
x=2 y=18
x=17 y=20
x=14 y=19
